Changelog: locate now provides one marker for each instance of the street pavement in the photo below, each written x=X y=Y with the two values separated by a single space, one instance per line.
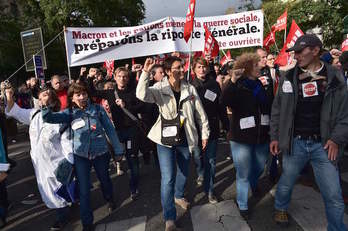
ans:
x=28 y=212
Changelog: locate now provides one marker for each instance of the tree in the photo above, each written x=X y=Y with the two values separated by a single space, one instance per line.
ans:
x=326 y=14
x=52 y=15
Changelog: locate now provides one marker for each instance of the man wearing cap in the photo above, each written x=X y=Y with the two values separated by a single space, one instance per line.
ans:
x=309 y=123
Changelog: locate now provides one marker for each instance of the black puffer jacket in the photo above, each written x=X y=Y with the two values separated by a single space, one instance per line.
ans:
x=209 y=92
x=251 y=117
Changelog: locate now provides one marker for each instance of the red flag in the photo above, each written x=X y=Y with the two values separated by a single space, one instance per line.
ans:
x=284 y=57
x=189 y=20
x=197 y=54
x=211 y=46
x=269 y=40
x=281 y=22
x=109 y=65
x=226 y=58
x=344 y=46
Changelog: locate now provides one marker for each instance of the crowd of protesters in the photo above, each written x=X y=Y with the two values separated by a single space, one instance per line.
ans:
x=299 y=114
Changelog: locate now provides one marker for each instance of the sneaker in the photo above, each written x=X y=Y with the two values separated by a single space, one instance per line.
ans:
x=244 y=214
x=212 y=199
x=281 y=218
x=58 y=225
x=111 y=206
x=135 y=195
x=170 y=226
x=200 y=181
x=182 y=202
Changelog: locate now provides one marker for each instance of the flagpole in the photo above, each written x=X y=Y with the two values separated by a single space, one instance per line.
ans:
x=67 y=54
x=189 y=67
x=223 y=52
x=270 y=30
x=286 y=10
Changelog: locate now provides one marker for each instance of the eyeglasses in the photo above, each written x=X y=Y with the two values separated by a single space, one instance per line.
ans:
x=178 y=68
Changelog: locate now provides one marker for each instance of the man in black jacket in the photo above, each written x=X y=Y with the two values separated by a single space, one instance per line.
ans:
x=309 y=124
x=124 y=97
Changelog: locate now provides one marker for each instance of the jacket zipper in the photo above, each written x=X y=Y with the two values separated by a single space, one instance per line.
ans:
x=89 y=137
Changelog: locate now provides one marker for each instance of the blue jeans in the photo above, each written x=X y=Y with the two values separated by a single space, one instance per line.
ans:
x=326 y=177
x=128 y=136
x=198 y=161
x=210 y=166
x=174 y=164
x=83 y=168
x=249 y=161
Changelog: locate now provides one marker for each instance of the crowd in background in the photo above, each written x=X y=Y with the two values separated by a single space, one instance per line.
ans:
x=169 y=114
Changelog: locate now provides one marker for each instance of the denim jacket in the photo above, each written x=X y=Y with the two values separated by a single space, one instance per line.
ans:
x=88 y=129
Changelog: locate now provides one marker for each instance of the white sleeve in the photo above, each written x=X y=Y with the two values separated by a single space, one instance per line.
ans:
x=21 y=114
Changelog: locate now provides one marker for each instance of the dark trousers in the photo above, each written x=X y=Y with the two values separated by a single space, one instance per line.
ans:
x=83 y=168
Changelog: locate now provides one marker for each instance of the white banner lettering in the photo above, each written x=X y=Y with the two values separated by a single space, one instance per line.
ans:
x=86 y=45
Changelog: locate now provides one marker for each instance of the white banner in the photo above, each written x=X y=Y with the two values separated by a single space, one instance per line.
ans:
x=86 y=45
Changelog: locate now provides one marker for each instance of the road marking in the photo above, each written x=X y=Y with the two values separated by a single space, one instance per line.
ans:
x=223 y=216
x=133 y=224
x=308 y=209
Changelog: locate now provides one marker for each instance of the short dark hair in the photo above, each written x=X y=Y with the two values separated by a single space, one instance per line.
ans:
x=168 y=62
x=154 y=69
x=76 y=88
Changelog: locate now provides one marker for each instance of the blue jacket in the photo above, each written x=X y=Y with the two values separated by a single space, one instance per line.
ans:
x=88 y=129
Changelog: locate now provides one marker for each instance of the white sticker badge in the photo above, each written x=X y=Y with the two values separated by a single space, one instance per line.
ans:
x=264 y=120
x=169 y=131
x=77 y=123
x=248 y=122
x=264 y=80
x=129 y=144
x=210 y=95
x=310 y=89
x=286 y=87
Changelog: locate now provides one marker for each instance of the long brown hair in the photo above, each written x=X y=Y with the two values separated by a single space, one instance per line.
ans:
x=76 y=88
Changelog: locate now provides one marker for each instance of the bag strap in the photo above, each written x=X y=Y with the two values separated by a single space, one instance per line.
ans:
x=35 y=113
x=180 y=103
x=125 y=110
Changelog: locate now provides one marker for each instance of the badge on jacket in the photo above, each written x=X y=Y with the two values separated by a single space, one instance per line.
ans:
x=264 y=80
x=287 y=87
x=310 y=89
x=77 y=123
x=210 y=95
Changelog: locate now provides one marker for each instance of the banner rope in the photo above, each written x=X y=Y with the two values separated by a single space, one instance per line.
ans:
x=8 y=79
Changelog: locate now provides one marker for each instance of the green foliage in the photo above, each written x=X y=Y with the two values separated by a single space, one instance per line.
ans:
x=51 y=16
x=326 y=14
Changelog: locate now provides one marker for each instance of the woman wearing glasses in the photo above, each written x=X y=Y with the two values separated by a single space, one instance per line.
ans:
x=174 y=132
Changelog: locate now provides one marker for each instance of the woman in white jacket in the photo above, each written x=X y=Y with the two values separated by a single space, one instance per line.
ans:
x=46 y=150
x=175 y=131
